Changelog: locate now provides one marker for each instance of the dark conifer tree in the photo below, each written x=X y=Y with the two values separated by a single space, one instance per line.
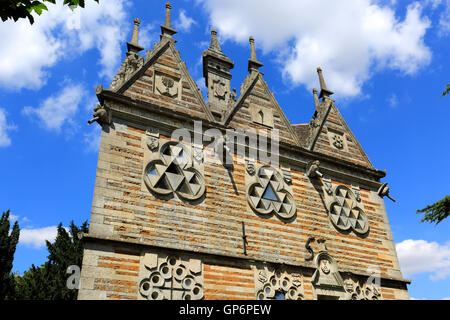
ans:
x=49 y=281
x=8 y=242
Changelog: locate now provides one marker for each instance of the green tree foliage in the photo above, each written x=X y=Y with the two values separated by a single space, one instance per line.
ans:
x=446 y=91
x=8 y=242
x=49 y=281
x=35 y=284
x=15 y=9
x=437 y=211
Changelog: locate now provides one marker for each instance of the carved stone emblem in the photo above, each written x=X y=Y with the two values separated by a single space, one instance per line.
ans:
x=262 y=276
x=325 y=266
x=338 y=142
x=251 y=168
x=219 y=89
x=166 y=86
x=361 y=290
x=279 y=285
x=269 y=195
x=173 y=173
x=152 y=143
x=357 y=193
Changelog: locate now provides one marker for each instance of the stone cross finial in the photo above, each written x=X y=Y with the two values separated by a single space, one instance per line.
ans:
x=253 y=63
x=324 y=92
x=215 y=45
x=133 y=45
x=316 y=98
x=166 y=29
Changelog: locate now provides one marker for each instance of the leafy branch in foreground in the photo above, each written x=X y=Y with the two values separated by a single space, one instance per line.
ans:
x=15 y=9
x=437 y=211
x=446 y=91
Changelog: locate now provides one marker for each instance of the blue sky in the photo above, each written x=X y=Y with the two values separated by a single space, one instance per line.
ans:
x=386 y=61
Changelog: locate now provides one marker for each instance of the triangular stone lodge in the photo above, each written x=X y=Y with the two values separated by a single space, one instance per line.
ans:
x=167 y=222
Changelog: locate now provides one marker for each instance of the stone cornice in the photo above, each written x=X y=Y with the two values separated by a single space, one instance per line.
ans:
x=86 y=237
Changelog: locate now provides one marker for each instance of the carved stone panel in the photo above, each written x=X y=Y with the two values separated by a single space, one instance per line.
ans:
x=152 y=140
x=337 y=139
x=130 y=65
x=345 y=212
x=167 y=86
x=261 y=115
x=329 y=283
x=268 y=193
x=167 y=277
x=172 y=172
x=361 y=290
x=219 y=89
x=278 y=285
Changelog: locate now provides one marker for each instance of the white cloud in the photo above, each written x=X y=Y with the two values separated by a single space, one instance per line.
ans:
x=393 y=100
x=420 y=256
x=444 y=20
x=184 y=23
x=28 y=51
x=148 y=35
x=201 y=85
x=5 y=140
x=92 y=138
x=36 y=237
x=349 y=39
x=59 y=109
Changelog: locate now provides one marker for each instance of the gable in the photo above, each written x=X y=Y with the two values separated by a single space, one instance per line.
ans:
x=334 y=138
x=258 y=109
x=163 y=80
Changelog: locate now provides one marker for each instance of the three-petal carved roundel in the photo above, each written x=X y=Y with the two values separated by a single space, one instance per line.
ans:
x=172 y=173
x=345 y=213
x=269 y=195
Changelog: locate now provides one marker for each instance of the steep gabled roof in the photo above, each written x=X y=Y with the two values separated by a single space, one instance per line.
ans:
x=161 y=79
x=256 y=97
x=336 y=139
x=165 y=61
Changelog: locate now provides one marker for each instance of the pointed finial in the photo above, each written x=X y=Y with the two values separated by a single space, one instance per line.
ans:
x=166 y=29
x=252 y=48
x=215 y=45
x=253 y=63
x=167 y=21
x=135 y=36
x=324 y=92
x=316 y=98
x=133 y=45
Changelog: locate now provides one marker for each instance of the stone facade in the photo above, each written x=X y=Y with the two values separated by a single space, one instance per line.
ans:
x=167 y=222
